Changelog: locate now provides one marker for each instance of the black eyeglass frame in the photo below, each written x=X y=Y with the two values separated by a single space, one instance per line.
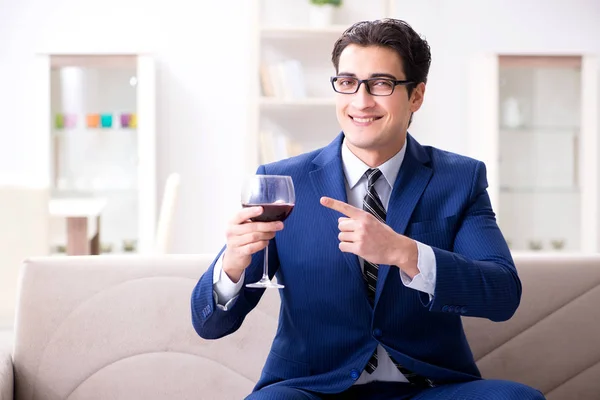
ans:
x=366 y=82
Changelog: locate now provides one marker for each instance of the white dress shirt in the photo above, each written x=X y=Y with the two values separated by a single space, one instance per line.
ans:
x=225 y=291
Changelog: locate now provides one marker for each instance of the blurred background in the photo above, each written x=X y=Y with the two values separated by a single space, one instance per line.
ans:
x=128 y=126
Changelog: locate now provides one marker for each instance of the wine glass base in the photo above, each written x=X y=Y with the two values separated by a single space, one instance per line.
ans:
x=265 y=284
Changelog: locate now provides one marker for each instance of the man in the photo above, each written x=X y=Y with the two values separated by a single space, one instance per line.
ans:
x=389 y=244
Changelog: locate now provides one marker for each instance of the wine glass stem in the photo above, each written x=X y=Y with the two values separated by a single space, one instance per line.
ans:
x=265 y=276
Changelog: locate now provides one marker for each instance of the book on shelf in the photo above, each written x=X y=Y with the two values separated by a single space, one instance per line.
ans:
x=284 y=79
x=266 y=84
x=277 y=146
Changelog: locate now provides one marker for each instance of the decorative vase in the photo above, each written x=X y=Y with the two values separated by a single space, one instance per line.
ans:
x=321 y=15
x=512 y=117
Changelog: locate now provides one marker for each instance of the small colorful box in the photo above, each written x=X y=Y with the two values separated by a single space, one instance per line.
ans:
x=133 y=121
x=93 y=120
x=106 y=120
x=70 y=121
x=59 y=121
x=125 y=120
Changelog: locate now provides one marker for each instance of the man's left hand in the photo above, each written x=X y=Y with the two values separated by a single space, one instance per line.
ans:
x=361 y=233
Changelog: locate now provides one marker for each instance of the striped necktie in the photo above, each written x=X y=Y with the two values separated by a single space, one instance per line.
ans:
x=372 y=204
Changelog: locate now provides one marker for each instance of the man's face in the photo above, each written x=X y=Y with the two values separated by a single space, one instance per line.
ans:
x=375 y=126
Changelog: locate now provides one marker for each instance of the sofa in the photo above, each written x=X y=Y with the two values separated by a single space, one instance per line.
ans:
x=118 y=327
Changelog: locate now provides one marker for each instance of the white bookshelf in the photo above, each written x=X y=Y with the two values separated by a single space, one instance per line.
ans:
x=302 y=32
x=115 y=162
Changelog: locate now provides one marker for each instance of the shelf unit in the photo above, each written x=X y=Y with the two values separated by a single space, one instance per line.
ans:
x=533 y=119
x=116 y=162
x=301 y=32
x=302 y=117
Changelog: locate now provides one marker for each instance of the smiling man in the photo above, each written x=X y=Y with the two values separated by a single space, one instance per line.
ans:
x=389 y=244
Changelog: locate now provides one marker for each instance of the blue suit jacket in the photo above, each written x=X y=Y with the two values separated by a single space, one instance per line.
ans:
x=327 y=328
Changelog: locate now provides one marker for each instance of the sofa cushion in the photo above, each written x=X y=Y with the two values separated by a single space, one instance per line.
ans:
x=552 y=342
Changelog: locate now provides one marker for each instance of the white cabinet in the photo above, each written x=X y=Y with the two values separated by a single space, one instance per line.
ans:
x=97 y=116
x=534 y=121
x=294 y=108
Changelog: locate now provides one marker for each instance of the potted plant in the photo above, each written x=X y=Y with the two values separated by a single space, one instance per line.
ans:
x=321 y=12
x=106 y=248
x=558 y=244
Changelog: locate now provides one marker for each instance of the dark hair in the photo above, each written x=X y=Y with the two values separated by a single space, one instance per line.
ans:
x=394 y=34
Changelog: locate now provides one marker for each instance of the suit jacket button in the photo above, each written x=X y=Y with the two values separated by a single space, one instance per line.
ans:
x=463 y=310
x=445 y=309
x=377 y=333
x=451 y=309
x=354 y=374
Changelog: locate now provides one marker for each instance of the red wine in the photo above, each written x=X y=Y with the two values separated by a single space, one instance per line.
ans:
x=272 y=212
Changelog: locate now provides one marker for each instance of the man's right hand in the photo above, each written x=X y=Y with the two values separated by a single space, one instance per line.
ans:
x=245 y=238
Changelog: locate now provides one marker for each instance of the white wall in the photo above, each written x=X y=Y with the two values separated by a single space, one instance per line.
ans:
x=202 y=122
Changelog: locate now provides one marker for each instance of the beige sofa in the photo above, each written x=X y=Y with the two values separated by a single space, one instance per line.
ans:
x=119 y=328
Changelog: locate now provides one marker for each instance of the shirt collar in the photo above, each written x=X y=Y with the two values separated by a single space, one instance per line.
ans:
x=354 y=168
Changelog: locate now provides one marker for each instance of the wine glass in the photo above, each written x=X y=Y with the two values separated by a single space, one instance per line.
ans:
x=275 y=194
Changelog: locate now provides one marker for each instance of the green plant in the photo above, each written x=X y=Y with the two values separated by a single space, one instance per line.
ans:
x=335 y=3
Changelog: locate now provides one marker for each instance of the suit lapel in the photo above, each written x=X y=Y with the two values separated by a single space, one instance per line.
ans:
x=412 y=179
x=328 y=180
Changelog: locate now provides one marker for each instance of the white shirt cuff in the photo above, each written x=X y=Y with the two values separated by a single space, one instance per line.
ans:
x=225 y=291
x=424 y=281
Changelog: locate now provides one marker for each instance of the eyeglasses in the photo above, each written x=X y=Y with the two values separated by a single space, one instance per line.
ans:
x=375 y=86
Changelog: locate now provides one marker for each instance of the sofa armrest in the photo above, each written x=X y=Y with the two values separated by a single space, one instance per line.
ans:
x=6 y=376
